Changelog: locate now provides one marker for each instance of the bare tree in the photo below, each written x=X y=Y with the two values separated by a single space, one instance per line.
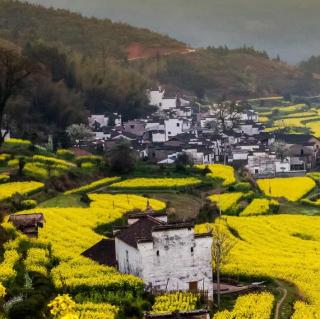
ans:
x=280 y=148
x=79 y=133
x=222 y=244
x=228 y=114
x=14 y=69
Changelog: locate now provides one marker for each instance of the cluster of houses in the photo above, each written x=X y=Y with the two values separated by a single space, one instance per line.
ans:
x=182 y=126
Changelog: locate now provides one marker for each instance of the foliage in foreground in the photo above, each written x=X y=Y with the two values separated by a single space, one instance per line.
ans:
x=178 y=301
x=251 y=306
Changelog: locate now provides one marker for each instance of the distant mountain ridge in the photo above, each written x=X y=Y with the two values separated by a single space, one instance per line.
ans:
x=136 y=53
x=22 y=22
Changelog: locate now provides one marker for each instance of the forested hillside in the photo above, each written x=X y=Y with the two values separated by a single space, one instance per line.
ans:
x=238 y=73
x=23 y=23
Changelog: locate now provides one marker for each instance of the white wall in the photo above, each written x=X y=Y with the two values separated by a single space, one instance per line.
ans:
x=128 y=258
x=173 y=127
x=283 y=166
x=101 y=119
x=158 y=137
x=156 y=97
x=176 y=265
x=168 y=104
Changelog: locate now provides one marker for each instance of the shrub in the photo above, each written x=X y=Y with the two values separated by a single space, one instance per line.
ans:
x=13 y=162
x=65 y=154
x=53 y=161
x=4 y=178
x=16 y=146
x=242 y=187
x=87 y=165
x=35 y=171
x=94 y=159
x=28 y=204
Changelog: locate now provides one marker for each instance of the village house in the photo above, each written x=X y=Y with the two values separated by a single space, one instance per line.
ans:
x=162 y=99
x=168 y=257
x=263 y=163
x=303 y=146
x=28 y=224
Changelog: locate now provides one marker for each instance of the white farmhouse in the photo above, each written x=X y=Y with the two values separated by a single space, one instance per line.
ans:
x=166 y=256
x=162 y=100
x=98 y=120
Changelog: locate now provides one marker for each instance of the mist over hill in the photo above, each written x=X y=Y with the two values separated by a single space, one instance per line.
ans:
x=286 y=27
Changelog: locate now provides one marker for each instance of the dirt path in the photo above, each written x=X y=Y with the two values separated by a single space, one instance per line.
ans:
x=280 y=302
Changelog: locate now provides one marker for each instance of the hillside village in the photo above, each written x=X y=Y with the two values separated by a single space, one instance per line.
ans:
x=182 y=127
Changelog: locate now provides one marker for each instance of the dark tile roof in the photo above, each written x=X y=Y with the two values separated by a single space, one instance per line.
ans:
x=140 y=214
x=141 y=230
x=103 y=252
x=172 y=226
x=295 y=138
x=26 y=220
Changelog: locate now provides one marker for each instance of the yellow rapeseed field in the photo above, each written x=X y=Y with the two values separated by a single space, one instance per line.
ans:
x=314 y=127
x=259 y=206
x=226 y=200
x=70 y=231
x=273 y=246
x=251 y=306
x=23 y=188
x=291 y=188
x=177 y=301
x=224 y=172
x=156 y=183
x=124 y=201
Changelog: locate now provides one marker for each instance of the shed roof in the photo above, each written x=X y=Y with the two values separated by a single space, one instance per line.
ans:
x=103 y=252
x=25 y=220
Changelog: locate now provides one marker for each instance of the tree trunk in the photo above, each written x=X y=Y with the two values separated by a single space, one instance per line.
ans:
x=218 y=286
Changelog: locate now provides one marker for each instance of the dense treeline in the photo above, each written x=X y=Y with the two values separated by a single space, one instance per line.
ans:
x=312 y=65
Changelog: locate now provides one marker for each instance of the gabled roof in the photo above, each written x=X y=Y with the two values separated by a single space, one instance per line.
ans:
x=141 y=230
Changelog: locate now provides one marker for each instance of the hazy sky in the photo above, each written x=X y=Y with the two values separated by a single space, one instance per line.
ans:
x=290 y=28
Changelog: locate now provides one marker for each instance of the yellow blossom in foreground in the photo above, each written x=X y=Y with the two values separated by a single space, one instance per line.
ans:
x=292 y=188
x=62 y=306
x=178 y=301
x=2 y=291
x=251 y=306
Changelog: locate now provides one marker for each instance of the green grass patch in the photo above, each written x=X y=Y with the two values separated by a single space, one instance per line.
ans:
x=64 y=201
